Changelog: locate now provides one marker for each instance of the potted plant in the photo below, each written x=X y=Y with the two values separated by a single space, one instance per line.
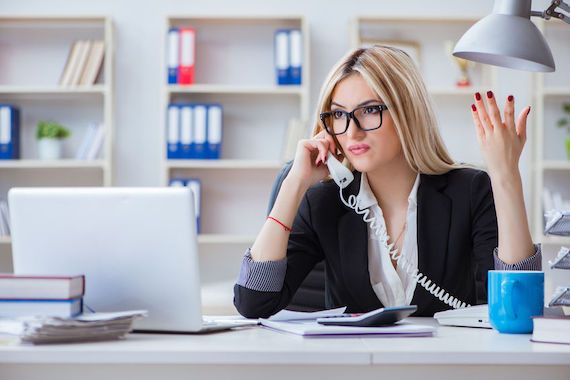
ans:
x=564 y=122
x=50 y=137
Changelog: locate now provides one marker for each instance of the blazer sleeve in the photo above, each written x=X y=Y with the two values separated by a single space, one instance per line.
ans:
x=484 y=232
x=303 y=253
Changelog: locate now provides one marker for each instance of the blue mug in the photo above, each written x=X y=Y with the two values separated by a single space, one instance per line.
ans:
x=514 y=298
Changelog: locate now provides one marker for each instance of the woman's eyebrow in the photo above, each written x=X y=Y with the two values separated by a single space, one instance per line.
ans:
x=359 y=105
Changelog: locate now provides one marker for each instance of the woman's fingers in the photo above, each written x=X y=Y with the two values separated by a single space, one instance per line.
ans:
x=493 y=111
x=321 y=147
x=510 y=112
x=521 y=123
x=482 y=114
x=478 y=126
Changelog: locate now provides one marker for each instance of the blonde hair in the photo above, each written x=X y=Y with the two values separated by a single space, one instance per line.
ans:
x=393 y=77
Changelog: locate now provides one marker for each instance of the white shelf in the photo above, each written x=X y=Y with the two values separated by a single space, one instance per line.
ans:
x=556 y=165
x=556 y=240
x=223 y=164
x=556 y=91
x=53 y=164
x=235 y=89
x=98 y=89
x=453 y=91
x=225 y=239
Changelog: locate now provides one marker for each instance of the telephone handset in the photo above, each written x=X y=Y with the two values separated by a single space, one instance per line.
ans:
x=342 y=176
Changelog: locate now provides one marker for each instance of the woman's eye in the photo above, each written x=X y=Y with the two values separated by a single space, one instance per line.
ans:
x=337 y=114
x=370 y=110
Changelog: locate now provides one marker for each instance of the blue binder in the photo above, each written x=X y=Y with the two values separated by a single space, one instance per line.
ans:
x=215 y=122
x=295 y=56
x=200 y=130
x=173 y=132
x=9 y=132
x=186 y=131
x=173 y=55
x=282 y=56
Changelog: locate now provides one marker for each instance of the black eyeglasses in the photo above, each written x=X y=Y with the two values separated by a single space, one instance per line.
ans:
x=367 y=118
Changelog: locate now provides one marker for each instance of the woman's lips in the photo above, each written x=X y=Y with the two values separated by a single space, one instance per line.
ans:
x=358 y=149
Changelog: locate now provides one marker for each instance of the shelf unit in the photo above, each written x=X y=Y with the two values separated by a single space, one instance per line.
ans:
x=426 y=38
x=234 y=67
x=34 y=52
x=551 y=167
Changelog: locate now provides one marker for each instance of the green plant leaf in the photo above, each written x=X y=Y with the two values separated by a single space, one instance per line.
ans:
x=51 y=130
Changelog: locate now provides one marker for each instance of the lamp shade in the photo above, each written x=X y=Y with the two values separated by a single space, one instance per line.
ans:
x=506 y=40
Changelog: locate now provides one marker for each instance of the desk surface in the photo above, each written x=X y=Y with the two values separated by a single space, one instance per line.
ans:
x=257 y=345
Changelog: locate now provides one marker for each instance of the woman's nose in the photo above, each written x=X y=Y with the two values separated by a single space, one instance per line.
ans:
x=353 y=130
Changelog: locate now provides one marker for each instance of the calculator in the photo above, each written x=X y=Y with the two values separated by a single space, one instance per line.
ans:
x=380 y=317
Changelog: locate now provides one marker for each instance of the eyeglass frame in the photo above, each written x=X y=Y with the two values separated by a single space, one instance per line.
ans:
x=350 y=115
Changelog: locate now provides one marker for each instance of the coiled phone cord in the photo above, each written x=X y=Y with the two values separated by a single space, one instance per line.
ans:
x=380 y=231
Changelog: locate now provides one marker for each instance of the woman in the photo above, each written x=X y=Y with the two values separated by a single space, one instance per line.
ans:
x=449 y=222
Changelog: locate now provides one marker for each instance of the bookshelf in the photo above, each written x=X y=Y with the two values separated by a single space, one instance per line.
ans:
x=34 y=52
x=551 y=167
x=425 y=40
x=234 y=66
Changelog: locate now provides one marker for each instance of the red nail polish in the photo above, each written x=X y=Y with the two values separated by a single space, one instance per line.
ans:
x=489 y=94
x=473 y=107
x=510 y=98
x=528 y=111
x=477 y=96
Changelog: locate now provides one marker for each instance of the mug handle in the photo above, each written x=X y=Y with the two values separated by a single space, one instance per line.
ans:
x=507 y=290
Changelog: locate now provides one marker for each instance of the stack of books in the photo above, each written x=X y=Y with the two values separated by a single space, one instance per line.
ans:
x=45 y=296
x=181 y=55
x=9 y=132
x=92 y=143
x=288 y=56
x=196 y=186
x=84 y=63
x=194 y=131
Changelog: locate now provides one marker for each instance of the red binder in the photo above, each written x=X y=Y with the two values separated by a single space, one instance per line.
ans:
x=187 y=56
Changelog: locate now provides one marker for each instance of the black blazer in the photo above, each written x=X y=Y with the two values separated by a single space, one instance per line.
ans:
x=456 y=232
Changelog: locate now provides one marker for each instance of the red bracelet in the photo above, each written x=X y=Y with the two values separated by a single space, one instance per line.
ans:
x=282 y=225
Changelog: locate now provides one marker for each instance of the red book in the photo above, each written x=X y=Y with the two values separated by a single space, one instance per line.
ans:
x=187 y=56
x=41 y=287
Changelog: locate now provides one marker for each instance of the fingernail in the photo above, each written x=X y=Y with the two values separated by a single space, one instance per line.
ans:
x=528 y=111
x=510 y=98
x=489 y=94
x=473 y=107
x=477 y=96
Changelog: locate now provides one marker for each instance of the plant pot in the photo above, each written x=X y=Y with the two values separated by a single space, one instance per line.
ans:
x=568 y=147
x=50 y=149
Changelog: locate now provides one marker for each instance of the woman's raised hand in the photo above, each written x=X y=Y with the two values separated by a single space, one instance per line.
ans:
x=501 y=139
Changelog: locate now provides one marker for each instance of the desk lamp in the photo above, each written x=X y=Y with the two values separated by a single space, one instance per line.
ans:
x=508 y=38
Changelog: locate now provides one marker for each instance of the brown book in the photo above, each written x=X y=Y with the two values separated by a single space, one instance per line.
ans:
x=94 y=63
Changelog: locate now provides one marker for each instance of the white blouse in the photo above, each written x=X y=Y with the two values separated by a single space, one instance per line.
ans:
x=393 y=286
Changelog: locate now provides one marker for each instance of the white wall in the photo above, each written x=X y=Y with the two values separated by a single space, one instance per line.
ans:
x=140 y=30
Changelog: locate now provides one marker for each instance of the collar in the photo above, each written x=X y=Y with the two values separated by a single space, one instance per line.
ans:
x=367 y=198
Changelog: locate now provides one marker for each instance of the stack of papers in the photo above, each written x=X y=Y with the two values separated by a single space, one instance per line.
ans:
x=86 y=327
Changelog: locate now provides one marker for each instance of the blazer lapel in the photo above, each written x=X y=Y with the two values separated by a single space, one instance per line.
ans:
x=433 y=205
x=353 y=249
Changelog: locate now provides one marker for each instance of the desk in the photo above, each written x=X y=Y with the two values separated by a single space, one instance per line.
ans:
x=257 y=353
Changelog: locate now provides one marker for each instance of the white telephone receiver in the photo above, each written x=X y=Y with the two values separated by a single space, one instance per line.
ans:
x=339 y=173
x=342 y=176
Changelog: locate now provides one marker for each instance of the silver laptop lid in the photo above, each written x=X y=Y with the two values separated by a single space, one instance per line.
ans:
x=136 y=246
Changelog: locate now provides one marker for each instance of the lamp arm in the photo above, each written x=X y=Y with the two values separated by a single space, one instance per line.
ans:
x=551 y=11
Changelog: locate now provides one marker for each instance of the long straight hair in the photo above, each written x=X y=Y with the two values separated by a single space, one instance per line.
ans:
x=392 y=75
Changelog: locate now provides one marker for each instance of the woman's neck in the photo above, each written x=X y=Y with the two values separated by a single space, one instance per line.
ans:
x=392 y=184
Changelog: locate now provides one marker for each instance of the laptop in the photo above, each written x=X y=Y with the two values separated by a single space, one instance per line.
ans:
x=137 y=248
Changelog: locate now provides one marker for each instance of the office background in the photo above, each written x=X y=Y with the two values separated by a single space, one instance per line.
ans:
x=138 y=103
